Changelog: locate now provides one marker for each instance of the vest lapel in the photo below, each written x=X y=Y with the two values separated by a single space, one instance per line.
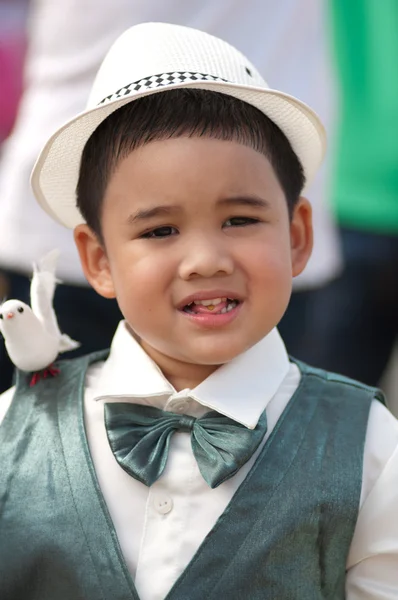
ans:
x=95 y=521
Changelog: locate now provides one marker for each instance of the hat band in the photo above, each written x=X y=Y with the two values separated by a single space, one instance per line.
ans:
x=161 y=80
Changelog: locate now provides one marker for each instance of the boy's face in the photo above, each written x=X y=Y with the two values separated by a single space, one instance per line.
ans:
x=197 y=219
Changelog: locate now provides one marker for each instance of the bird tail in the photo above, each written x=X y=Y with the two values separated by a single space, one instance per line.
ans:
x=66 y=343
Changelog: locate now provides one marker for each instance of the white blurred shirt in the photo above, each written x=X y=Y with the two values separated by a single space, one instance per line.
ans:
x=285 y=40
x=147 y=519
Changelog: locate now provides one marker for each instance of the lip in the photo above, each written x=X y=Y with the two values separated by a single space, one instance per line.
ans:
x=209 y=295
x=211 y=321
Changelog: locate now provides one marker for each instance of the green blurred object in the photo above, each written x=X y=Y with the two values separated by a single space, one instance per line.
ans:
x=365 y=182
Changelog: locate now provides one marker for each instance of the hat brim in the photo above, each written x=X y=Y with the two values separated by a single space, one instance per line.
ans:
x=55 y=174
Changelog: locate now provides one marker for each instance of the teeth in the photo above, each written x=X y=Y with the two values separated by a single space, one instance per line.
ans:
x=212 y=302
x=231 y=305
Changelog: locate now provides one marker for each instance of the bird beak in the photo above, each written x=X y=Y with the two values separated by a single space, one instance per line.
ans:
x=10 y=315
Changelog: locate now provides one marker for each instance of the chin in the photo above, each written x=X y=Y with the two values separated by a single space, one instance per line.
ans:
x=215 y=356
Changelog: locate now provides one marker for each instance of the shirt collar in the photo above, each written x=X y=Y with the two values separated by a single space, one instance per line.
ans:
x=240 y=389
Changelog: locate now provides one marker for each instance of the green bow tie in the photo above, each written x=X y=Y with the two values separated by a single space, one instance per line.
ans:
x=140 y=438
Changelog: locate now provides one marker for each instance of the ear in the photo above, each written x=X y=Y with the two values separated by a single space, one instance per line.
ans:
x=301 y=235
x=94 y=261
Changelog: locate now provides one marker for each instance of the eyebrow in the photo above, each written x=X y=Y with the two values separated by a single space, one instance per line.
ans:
x=150 y=213
x=165 y=210
x=253 y=201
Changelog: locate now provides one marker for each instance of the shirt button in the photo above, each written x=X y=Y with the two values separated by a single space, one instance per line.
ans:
x=179 y=406
x=163 y=504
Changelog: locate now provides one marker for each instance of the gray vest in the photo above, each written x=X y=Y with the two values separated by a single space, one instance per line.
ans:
x=285 y=534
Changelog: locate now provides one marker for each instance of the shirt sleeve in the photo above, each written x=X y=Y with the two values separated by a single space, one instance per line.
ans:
x=372 y=566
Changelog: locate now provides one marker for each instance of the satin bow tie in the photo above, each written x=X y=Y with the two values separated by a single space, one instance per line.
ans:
x=140 y=438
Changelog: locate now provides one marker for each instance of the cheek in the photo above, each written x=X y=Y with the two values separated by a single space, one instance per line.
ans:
x=271 y=285
x=268 y=262
x=140 y=282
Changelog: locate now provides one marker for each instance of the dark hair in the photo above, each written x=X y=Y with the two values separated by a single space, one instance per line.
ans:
x=175 y=113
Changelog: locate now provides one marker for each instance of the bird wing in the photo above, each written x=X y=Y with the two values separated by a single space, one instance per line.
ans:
x=42 y=292
x=42 y=295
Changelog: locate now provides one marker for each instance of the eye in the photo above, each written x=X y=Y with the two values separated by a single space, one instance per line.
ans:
x=240 y=222
x=1 y=317
x=160 y=232
x=20 y=309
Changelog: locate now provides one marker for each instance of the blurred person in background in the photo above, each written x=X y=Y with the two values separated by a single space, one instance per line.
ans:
x=354 y=320
x=12 y=51
x=68 y=40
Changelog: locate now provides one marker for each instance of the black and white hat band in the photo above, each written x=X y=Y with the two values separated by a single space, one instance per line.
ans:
x=161 y=80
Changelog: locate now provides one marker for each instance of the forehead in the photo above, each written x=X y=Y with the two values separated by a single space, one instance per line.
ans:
x=189 y=169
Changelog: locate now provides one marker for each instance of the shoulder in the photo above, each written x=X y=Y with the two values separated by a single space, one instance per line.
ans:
x=380 y=452
x=339 y=387
x=89 y=366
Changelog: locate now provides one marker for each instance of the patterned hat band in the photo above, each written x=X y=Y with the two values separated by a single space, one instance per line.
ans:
x=161 y=80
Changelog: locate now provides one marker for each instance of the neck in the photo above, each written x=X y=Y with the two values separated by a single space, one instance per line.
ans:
x=180 y=374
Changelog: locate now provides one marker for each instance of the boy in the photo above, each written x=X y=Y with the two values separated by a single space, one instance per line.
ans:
x=195 y=460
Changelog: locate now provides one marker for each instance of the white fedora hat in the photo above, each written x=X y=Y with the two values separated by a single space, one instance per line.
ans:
x=156 y=57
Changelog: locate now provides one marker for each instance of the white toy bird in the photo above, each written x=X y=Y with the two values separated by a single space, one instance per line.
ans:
x=32 y=336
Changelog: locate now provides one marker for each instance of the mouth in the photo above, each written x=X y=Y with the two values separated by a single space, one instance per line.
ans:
x=211 y=306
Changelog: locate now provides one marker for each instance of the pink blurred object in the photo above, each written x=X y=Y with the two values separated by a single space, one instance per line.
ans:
x=12 y=53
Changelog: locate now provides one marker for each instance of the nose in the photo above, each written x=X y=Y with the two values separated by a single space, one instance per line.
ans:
x=10 y=315
x=206 y=258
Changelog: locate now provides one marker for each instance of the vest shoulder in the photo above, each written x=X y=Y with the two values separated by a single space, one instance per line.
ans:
x=84 y=360
x=68 y=369
x=340 y=383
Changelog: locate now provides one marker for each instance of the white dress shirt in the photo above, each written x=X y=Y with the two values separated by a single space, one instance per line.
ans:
x=161 y=527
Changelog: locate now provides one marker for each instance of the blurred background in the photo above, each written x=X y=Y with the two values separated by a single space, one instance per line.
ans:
x=13 y=38
x=339 y=56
